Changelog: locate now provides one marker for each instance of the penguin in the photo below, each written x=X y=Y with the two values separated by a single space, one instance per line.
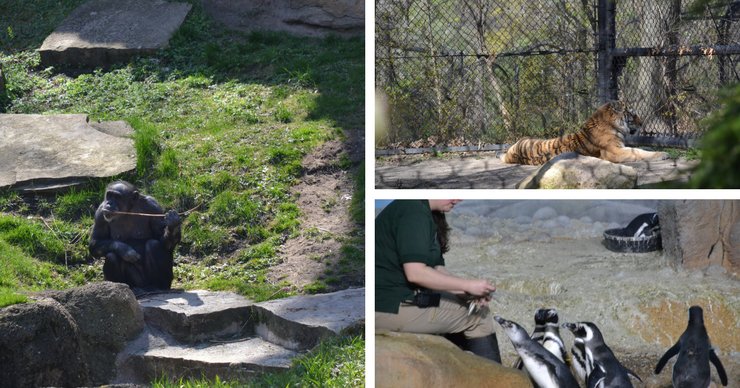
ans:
x=541 y=317
x=551 y=339
x=603 y=368
x=643 y=225
x=694 y=354
x=542 y=366
x=579 y=365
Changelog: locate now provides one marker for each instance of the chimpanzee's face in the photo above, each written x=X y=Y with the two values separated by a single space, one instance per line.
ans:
x=118 y=197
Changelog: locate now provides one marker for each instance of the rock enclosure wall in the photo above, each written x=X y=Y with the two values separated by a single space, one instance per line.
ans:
x=698 y=234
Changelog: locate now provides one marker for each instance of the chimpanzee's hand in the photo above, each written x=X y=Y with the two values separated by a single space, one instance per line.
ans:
x=172 y=219
x=131 y=256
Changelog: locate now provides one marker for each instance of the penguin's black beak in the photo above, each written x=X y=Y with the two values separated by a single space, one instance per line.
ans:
x=569 y=326
x=502 y=322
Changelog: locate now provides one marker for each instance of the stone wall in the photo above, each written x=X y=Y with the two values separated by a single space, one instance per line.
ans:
x=698 y=234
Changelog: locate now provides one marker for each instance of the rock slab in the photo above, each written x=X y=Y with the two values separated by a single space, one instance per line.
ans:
x=407 y=360
x=203 y=333
x=301 y=322
x=59 y=148
x=103 y=32
x=194 y=316
x=301 y=17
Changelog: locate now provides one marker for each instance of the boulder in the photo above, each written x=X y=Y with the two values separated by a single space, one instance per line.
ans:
x=419 y=360
x=40 y=346
x=573 y=171
x=699 y=234
x=302 y=17
x=108 y=316
x=103 y=32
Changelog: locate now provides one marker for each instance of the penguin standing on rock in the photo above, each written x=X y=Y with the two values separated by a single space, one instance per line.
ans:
x=542 y=366
x=694 y=354
x=604 y=370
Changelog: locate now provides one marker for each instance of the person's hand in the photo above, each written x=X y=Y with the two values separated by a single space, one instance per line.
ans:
x=480 y=288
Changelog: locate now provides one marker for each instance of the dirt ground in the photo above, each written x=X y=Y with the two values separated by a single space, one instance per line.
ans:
x=324 y=197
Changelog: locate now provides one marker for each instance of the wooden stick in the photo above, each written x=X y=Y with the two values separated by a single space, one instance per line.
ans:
x=149 y=214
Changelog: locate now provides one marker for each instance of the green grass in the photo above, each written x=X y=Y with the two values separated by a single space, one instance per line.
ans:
x=222 y=121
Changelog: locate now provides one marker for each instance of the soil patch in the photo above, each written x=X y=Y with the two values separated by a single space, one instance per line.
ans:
x=324 y=197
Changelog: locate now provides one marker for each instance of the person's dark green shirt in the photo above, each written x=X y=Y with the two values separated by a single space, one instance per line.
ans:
x=405 y=232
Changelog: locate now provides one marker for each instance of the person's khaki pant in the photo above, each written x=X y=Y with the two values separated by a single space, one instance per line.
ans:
x=450 y=317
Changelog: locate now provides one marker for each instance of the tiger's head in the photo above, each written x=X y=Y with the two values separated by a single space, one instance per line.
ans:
x=626 y=121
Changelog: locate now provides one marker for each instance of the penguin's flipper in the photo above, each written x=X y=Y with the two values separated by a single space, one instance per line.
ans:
x=596 y=378
x=630 y=372
x=718 y=364
x=667 y=356
x=518 y=364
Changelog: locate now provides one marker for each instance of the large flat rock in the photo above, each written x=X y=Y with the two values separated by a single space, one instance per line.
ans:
x=301 y=322
x=102 y=32
x=194 y=316
x=155 y=353
x=489 y=172
x=204 y=333
x=60 y=148
x=300 y=17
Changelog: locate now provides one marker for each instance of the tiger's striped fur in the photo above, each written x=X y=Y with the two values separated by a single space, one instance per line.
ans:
x=602 y=136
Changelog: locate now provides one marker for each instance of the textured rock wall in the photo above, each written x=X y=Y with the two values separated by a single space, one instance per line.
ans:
x=698 y=234
x=67 y=338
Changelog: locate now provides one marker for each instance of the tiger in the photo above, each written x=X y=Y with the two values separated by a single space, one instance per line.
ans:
x=602 y=136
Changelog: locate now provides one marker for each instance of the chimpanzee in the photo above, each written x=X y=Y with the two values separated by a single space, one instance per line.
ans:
x=137 y=249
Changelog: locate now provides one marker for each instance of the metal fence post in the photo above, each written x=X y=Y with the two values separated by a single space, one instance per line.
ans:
x=605 y=69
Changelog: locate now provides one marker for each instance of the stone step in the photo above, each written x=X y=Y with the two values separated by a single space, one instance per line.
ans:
x=199 y=315
x=301 y=322
x=153 y=354
x=297 y=323
x=205 y=333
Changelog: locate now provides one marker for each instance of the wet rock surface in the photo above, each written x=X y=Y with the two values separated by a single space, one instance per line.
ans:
x=550 y=254
x=103 y=32
x=40 y=151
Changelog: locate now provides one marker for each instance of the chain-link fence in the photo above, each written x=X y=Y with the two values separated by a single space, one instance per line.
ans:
x=468 y=72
